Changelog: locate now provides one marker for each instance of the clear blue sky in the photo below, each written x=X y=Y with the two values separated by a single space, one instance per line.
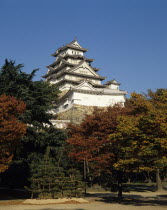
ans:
x=127 y=38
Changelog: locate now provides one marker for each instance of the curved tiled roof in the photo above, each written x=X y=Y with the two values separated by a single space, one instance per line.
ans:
x=57 y=69
x=78 y=82
x=113 y=81
x=78 y=74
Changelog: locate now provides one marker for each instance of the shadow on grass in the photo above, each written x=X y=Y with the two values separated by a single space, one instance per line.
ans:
x=10 y=194
x=138 y=200
x=139 y=187
x=133 y=198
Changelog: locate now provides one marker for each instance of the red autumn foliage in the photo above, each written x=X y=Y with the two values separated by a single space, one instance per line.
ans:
x=88 y=139
x=11 y=129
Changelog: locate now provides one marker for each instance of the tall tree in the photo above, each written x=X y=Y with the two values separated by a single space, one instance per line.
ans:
x=151 y=110
x=39 y=97
x=11 y=128
x=90 y=140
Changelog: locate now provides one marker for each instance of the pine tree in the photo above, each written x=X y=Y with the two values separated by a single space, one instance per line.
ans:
x=49 y=180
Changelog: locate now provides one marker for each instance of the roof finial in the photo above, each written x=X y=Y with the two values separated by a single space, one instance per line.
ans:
x=75 y=38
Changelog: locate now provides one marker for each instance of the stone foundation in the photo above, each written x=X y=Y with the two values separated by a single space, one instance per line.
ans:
x=76 y=114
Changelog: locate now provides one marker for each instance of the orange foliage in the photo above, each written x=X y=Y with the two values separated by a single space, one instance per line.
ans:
x=88 y=139
x=133 y=138
x=11 y=129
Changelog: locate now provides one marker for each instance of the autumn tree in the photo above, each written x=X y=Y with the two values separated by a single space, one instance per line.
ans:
x=120 y=140
x=139 y=142
x=11 y=128
x=151 y=111
x=90 y=141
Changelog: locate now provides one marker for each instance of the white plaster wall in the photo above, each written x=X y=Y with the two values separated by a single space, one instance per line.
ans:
x=114 y=87
x=82 y=70
x=77 y=78
x=74 y=61
x=61 y=124
x=73 y=77
x=90 y=100
x=97 y=100
x=65 y=86
x=74 y=52
x=54 y=81
x=97 y=82
x=67 y=68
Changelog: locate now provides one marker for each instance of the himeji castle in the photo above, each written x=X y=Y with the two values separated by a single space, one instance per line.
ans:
x=80 y=84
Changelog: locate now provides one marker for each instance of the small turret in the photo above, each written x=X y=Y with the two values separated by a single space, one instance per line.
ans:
x=113 y=84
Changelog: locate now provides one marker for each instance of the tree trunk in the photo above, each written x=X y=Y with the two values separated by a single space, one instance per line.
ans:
x=147 y=177
x=129 y=181
x=89 y=180
x=120 y=187
x=158 y=181
x=85 y=176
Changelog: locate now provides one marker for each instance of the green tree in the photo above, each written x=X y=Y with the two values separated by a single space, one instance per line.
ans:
x=39 y=97
x=50 y=180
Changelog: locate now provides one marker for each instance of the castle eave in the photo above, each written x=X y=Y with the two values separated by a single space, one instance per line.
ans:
x=78 y=57
x=78 y=82
x=57 y=69
x=78 y=75
x=64 y=62
x=100 y=92
x=95 y=69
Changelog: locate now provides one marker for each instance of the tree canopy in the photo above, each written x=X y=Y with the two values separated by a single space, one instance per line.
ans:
x=38 y=95
x=118 y=139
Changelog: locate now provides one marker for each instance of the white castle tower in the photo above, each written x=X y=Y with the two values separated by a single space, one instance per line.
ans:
x=79 y=82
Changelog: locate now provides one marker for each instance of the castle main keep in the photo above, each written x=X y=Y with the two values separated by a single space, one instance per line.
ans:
x=80 y=84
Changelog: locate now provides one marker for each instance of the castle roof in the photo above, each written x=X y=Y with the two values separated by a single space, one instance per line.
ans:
x=113 y=81
x=72 y=45
x=78 y=56
x=62 y=58
x=71 y=70
x=77 y=74
x=78 y=82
